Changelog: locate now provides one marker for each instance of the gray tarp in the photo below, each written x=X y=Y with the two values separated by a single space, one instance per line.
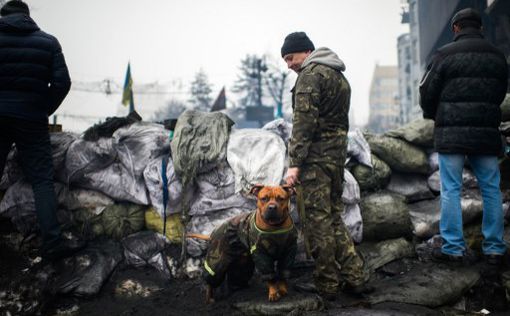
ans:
x=256 y=157
x=419 y=132
x=399 y=154
x=199 y=143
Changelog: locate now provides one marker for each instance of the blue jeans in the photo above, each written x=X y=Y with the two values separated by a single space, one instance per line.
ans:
x=486 y=169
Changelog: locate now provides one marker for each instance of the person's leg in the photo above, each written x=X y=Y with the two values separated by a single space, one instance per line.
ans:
x=486 y=169
x=6 y=141
x=352 y=270
x=450 y=225
x=320 y=234
x=34 y=149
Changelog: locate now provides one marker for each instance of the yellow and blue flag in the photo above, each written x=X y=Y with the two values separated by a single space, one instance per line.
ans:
x=127 y=93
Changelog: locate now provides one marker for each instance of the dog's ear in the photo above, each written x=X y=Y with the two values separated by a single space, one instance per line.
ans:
x=289 y=189
x=256 y=189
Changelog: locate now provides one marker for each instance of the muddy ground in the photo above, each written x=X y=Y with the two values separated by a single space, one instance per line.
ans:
x=131 y=291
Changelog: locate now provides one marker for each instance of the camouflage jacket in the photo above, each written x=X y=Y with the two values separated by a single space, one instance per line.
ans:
x=265 y=248
x=320 y=100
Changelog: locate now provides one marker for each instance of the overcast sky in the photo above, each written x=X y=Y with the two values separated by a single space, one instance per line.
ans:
x=168 y=40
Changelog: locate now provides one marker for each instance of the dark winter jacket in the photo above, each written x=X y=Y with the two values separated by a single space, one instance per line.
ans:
x=34 y=79
x=462 y=91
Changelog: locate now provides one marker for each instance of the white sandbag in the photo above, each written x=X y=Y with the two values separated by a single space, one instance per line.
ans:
x=215 y=191
x=351 y=192
x=154 y=183
x=83 y=157
x=81 y=198
x=351 y=217
x=12 y=171
x=20 y=197
x=434 y=161
x=281 y=128
x=60 y=143
x=139 y=143
x=257 y=157
x=358 y=148
x=205 y=225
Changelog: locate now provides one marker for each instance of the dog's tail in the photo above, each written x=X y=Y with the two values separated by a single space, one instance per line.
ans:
x=198 y=236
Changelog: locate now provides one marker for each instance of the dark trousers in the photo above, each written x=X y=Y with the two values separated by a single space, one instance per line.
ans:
x=34 y=154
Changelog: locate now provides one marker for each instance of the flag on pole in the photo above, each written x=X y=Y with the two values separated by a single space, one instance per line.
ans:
x=221 y=101
x=127 y=93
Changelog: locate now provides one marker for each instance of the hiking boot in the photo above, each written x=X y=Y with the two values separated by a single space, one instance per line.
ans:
x=63 y=249
x=440 y=256
x=308 y=287
x=358 y=290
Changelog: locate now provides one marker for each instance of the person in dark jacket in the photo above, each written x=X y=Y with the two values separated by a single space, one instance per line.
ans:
x=462 y=91
x=34 y=81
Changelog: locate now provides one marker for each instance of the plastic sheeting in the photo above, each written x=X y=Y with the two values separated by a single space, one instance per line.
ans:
x=351 y=192
x=146 y=248
x=205 y=225
x=215 y=191
x=281 y=128
x=199 y=143
x=358 y=148
x=154 y=183
x=85 y=273
x=353 y=221
x=257 y=157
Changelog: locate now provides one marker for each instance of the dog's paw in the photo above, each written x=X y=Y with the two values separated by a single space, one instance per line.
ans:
x=274 y=296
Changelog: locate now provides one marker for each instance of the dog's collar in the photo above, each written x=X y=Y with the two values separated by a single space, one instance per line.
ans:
x=278 y=231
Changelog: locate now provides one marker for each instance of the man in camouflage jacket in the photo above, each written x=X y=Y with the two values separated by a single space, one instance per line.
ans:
x=317 y=149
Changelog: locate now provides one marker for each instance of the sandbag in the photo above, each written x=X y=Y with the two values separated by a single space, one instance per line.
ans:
x=425 y=215
x=154 y=183
x=12 y=171
x=215 y=191
x=88 y=223
x=434 y=161
x=351 y=216
x=83 y=157
x=139 y=143
x=378 y=254
x=199 y=143
x=418 y=132
x=429 y=285
x=281 y=128
x=399 y=154
x=20 y=197
x=256 y=157
x=154 y=222
x=413 y=186
x=294 y=304
x=373 y=178
x=204 y=225
x=385 y=216
x=121 y=220
x=81 y=198
x=146 y=248
x=60 y=143
x=468 y=180
x=358 y=148
x=351 y=191
x=109 y=126
x=505 y=109
x=84 y=274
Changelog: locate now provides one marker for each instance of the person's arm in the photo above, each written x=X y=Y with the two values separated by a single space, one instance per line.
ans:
x=305 y=118
x=60 y=82
x=430 y=88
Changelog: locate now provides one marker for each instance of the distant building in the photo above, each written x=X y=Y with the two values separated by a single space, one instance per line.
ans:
x=429 y=28
x=383 y=100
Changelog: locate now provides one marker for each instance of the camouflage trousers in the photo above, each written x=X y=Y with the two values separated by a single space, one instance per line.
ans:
x=336 y=260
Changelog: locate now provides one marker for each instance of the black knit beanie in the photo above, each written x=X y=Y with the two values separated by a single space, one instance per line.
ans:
x=467 y=16
x=296 y=42
x=14 y=6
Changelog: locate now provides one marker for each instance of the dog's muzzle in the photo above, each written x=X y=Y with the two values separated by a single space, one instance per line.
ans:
x=271 y=214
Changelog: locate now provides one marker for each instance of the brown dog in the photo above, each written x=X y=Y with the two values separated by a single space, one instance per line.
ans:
x=265 y=239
